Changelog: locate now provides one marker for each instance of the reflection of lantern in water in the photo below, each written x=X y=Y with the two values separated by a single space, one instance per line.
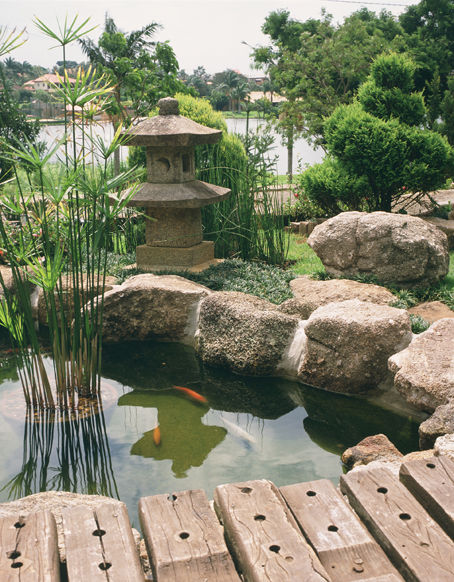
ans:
x=185 y=440
x=172 y=197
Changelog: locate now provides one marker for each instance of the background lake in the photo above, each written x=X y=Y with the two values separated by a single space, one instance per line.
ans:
x=302 y=152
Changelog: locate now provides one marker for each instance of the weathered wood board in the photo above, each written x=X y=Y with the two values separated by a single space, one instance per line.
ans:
x=431 y=481
x=28 y=548
x=263 y=535
x=100 y=546
x=416 y=545
x=344 y=546
x=185 y=539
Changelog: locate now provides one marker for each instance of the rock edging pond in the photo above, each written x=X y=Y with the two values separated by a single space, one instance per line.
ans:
x=343 y=346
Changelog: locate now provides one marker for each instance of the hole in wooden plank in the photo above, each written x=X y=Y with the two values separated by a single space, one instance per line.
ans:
x=13 y=555
x=311 y=493
x=172 y=497
x=382 y=490
x=105 y=566
x=430 y=465
x=246 y=490
x=19 y=524
x=333 y=528
x=17 y=565
x=259 y=517
x=184 y=535
x=275 y=549
x=99 y=533
x=405 y=516
x=424 y=544
x=289 y=558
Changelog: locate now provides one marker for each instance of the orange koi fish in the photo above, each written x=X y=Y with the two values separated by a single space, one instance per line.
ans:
x=157 y=436
x=192 y=393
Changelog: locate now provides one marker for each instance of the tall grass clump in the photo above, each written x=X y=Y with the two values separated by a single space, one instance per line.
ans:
x=55 y=228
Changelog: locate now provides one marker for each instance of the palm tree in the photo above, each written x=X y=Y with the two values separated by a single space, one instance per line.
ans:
x=118 y=54
x=230 y=82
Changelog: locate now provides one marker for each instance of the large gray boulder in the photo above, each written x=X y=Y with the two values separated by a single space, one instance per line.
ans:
x=349 y=343
x=424 y=371
x=243 y=333
x=395 y=248
x=152 y=307
x=309 y=294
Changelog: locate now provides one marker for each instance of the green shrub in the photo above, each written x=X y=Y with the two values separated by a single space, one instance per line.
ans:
x=378 y=144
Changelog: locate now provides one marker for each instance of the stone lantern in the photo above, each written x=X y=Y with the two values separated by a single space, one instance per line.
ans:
x=172 y=197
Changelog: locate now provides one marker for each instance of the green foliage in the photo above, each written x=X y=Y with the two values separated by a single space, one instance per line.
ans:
x=201 y=111
x=418 y=324
x=14 y=127
x=254 y=278
x=329 y=188
x=319 y=65
x=378 y=156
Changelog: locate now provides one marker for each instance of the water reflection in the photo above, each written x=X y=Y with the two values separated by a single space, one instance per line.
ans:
x=64 y=451
x=184 y=439
x=332 y=421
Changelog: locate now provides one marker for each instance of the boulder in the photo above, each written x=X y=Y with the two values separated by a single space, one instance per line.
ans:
x=424 y=371
x=395 y=248
x=446 y=226
x=445 y=445
x=152 y=307
x=55 y=501
x=244 y=333
x=309 y=294
x=349 y=343
x=432 y=311
x=373 y=448
x=440 y=423
x=67 y=294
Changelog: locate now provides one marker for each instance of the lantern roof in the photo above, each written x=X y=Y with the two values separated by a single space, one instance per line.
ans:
x=170 y=129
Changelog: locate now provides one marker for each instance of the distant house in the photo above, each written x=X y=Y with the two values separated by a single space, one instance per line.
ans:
x=45 y=82
x=272 y=97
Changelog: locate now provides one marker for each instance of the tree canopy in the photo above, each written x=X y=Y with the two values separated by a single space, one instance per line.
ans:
x=378 y=148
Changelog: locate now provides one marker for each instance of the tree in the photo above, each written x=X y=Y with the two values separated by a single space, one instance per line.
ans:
x=378 y=147
x=142 y=70
x=429 y=37
x=14 y=126
x=231 y=84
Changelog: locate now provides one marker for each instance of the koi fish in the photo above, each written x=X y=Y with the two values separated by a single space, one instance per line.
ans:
x=192 y=393
x=157 y=436
x=238 y=431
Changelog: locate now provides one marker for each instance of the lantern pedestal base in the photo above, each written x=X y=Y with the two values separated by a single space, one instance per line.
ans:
x=150 y=258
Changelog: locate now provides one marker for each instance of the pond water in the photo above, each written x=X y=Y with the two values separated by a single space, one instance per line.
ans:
x=302 y=150
x=249 y=428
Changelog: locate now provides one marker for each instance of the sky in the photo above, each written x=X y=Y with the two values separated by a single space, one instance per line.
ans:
x=207 y=33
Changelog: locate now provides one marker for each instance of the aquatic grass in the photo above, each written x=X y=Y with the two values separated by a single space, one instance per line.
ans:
x=64 y=450
x=66 y=220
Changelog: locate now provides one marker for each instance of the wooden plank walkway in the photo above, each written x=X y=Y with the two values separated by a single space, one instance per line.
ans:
x=385 y=529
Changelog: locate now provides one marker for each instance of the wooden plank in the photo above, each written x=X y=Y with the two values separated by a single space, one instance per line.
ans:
x=344 y=546
x=416 y=545
x=431 y=481
x=185 y=539
x=29 y=550
x=100 y=546
x=263 y=535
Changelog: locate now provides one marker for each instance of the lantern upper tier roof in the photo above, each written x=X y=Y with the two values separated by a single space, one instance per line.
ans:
x=170 y=129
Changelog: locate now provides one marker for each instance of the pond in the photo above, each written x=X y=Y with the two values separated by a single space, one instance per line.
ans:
x=248 y=428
